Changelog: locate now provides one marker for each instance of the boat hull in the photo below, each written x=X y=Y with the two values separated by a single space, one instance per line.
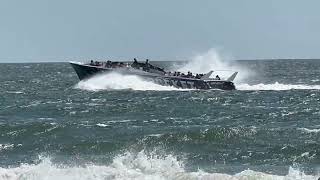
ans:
x=87 y=71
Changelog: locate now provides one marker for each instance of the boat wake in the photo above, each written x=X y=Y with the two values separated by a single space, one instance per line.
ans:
x=132 y=166
x=276 y=87
x=115 y=81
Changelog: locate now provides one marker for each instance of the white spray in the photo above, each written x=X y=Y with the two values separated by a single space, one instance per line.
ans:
x=115 y=81
x=132 y=166
x=212 y=60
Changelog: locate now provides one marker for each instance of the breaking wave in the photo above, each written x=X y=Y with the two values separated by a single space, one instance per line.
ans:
x=132 y=166
x=276 y=87
x=115 y=81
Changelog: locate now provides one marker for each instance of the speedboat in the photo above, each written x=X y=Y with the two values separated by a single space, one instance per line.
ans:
x=155 y=74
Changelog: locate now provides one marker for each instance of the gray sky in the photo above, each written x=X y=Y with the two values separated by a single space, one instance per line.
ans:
x=63 y=30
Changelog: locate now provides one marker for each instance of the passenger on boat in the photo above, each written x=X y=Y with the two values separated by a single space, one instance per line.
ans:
x=190 y=75
x=135 y=63
x=109 y=64
x=217 y=77
x=147 y=64
x=91 y=63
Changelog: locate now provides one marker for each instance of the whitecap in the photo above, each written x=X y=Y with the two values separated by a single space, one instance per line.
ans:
x=102 y=125
x=15 y=92
x=155 y=135
x=133 y=166
x=6 y=146
x=309 y=130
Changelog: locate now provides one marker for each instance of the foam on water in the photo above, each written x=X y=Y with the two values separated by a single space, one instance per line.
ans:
x=309 y=130
x=132 y=166
x=115 y=81
x=15 y=92
x=275 y=86
x=6 y=146
x=102 y=125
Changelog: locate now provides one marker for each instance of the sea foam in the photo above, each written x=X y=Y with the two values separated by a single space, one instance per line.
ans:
x=133 y=166
x=306 y=130
x=275 y=86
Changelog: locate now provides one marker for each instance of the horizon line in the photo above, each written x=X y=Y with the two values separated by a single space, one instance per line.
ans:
x=262 y=59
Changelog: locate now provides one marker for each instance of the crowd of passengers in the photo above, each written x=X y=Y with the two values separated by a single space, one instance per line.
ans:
x=108 y=64
x=189 y=75
x=146 y=66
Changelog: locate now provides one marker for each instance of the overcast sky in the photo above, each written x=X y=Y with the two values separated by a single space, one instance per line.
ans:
x=63 y=30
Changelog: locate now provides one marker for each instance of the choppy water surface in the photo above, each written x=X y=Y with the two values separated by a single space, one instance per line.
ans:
x=121 y=127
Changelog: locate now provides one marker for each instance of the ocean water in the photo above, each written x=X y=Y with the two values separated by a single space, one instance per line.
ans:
x=120 y=127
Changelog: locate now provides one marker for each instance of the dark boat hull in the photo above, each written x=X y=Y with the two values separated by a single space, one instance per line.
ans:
x=87 y=71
